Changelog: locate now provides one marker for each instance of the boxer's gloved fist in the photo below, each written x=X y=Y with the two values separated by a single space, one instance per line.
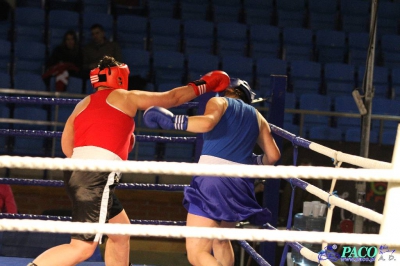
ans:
x=215 y=81
x=158 y=117
x=257 y=159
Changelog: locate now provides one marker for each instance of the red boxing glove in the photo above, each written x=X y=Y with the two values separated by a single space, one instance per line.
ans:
x=215 y=81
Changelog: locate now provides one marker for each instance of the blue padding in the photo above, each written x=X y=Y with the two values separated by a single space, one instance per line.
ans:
x=29 y=244
x=32 y=244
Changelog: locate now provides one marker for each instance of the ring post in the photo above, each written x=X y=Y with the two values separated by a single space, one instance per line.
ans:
x=390 y=255
x=272 y=186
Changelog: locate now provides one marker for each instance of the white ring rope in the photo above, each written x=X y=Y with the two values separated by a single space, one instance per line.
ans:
x=344 y=204
x=197 y=232
x=191 y=169
x=349 y=158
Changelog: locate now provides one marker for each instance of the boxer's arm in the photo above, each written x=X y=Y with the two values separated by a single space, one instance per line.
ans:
x=267 y=143
x=215 y=109
x=174 y=97
x=67 y=137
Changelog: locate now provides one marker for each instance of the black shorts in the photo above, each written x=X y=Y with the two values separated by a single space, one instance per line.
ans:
x=93 y=199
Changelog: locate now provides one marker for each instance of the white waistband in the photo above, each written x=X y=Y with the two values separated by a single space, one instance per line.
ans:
x=93 y=152
x=208 y=159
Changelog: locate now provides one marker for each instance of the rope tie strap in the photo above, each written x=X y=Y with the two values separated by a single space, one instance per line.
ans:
x=334 y=193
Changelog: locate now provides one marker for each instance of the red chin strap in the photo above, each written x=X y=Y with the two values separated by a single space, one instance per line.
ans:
x=113 y=77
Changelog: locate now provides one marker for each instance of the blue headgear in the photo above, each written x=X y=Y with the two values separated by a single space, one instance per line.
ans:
x=244 y=87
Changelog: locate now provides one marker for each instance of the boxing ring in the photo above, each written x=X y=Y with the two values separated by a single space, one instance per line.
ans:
x=371 y=170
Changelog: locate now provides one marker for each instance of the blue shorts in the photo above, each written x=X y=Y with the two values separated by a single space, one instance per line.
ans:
x=193 y=209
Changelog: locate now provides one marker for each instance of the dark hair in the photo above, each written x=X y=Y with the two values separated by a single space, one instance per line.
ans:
x=97 y=26
x=107 y=61
x=236 y=92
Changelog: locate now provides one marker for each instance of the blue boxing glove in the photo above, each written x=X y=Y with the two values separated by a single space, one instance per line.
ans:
x=158 y=117
x=257 y=159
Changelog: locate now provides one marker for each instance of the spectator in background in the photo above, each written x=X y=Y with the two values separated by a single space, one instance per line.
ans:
x=65 y=61
x=7 y=201
x=98 y=47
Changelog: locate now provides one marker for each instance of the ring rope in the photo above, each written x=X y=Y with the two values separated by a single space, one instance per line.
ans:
x=339 y=156
x=305 y=252
x=196 y=232
x=139 y=138
x=250 y=250
x=65 y=101
x=60 y=183
x=191 y=169
x=68 y=218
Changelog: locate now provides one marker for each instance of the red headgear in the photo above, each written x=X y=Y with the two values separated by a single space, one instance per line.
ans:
x=114 y=77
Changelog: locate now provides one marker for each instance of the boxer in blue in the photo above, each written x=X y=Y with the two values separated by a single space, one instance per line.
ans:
x=232 y=128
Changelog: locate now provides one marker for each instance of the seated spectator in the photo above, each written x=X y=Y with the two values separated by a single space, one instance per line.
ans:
x=98 y=47
x=7 y=201
x=65 y=61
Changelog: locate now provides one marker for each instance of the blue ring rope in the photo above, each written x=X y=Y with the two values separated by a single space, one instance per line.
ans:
x=64 y=101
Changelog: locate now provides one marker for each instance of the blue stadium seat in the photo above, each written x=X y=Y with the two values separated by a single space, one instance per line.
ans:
x=353 y=134
x=224 y=13
x=339 y=79
x=325 y=133
x=168 y=66
x=98 y=6
x=305 y=76
x=290 y=103
x=64 y=19
x=5 y=80
x=138 y=60
x=389 y=137
x=5 y=56
x=323 y=14
x=29 y=82
x=346 y=104
x=33 y=146
x=144 y=151
x=253 y=15
x=358 y=43
x=231 y=38
x=29 y=24
x=330 y=46
x=198 y=36
x=315 y=102
x=75 y=85
x=390 y=49
x=264 y=40
x=395 y=90
x=199 y=64
x=388 y=17
x=291 y=18
x=351 y=23
x=297 y=44
x=380 y=80
x=239 y=67
x=384 y=106
x=265 y=67
x=157 y=8
x=179 y=152
x=191 y=11
x=165 y=34
x=132 y=31
x=291 y=5
x=30 y=60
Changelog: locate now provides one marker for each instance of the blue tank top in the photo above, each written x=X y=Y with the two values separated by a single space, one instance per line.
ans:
x=234 y=137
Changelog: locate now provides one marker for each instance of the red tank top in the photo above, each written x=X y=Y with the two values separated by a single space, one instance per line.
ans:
x=104 y=126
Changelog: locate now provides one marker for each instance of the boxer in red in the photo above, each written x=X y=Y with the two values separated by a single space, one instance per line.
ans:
x=101 y=127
